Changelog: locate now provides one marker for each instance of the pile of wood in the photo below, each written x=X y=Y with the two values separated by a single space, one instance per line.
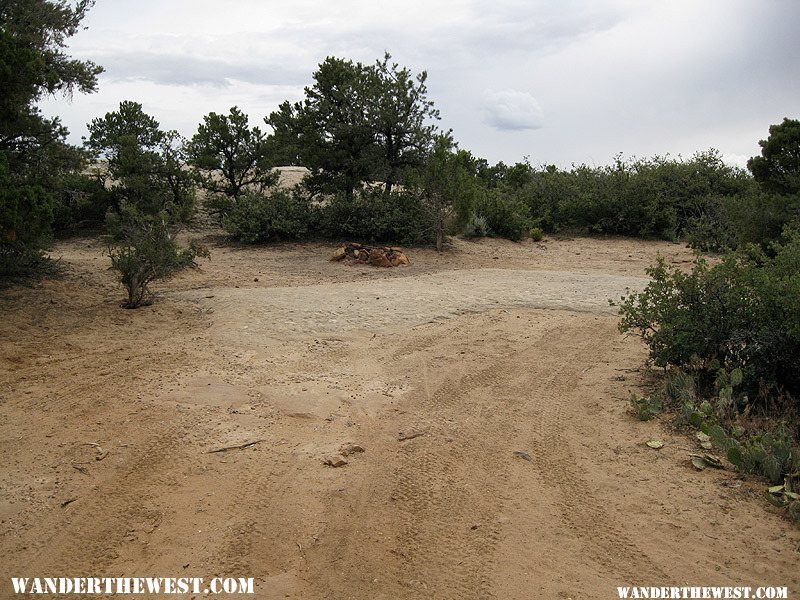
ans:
x=370 y=255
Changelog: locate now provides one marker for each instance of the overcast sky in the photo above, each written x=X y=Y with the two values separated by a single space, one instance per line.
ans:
x=558 y=81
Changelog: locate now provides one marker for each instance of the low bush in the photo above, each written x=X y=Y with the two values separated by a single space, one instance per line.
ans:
x=259 y=218
x=536 y=234
x=743 y=313
x=145 y=250
x=645 y=407
x=505 y=214
x=476 y=227
x=730 y=333
x=372 y=216
x=722 y=223
x=762 y=446
x=657 y=197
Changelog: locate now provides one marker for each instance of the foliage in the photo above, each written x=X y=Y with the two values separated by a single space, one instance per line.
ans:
x=743 y=313
x=749 y=217
x=771 y=451
x=711 y=229
x=373 y=216
x=400 y=114
x=33 y=155
x=357 y=124
x=259 y=218
x=146 y=165
x=645 y=407
x=26 y=214
x=536 y=234
x=505 y=214
x=146 y=251
x=769 y=454
x=446 y=188
x=656 y=197
x=151 y=192
x=33 y=38
x=778 y=167
x=476 y=227
x=232 y=158
x=328 y=132
x=82 y=203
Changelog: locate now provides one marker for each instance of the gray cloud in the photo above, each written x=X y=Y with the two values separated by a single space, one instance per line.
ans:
x=177 y=69
x=534 y=26
x=613 y=75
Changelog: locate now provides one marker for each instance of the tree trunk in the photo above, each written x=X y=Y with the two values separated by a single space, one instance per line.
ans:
x=440 y=237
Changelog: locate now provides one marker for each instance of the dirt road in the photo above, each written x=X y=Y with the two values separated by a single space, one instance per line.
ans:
x=487 y=388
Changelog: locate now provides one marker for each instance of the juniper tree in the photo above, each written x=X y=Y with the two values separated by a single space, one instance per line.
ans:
x=328 y=131
x=231 y=157
x=146 y=164
x=33 y=154
x=400 y=114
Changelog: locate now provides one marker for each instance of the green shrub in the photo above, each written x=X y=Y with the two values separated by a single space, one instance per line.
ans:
x=743 y=313
x=657 y=197
x=145 y=250
x=26 y=217
x=772 y=452
x=476 y=227
x=259 y=218
x=147 y=165
x=372 y=216
x=505 y=214
x=769 y=454
x=82 y=203
x=536 y=234
x=721 y=223
x=711 y=228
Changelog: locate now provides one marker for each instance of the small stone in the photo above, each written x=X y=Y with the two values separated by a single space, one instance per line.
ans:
x=334 y=461
x=349 y=448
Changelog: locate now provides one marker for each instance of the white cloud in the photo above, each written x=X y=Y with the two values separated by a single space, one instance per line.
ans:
x=512 y=110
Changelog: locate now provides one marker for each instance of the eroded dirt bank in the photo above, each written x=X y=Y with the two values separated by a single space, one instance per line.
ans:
x=487 y=387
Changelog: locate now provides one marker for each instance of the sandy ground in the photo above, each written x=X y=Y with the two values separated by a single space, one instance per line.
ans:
x=441 y=371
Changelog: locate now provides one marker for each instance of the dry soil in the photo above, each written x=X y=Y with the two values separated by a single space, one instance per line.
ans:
x=487 y=386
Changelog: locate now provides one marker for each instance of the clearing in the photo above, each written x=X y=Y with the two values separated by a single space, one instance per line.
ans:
x=488 y=387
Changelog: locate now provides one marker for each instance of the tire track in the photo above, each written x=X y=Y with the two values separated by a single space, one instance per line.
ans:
x=582 y=509
x=449 y=493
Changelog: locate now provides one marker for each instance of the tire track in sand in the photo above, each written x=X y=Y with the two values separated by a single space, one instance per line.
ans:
x=557 y=407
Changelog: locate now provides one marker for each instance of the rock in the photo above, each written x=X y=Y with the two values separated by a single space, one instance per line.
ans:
x=334 y=461
x=377 y=258
x=348 y=449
